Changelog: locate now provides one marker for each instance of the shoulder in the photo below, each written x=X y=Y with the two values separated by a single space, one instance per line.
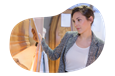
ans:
x=100 y=42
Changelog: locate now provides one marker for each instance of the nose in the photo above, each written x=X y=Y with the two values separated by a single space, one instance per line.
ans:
x=76 y=24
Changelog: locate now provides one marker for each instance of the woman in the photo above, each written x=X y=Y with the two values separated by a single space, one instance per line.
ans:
x=77 y=49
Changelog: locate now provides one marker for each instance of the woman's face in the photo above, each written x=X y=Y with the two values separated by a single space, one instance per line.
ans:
x=81 y=23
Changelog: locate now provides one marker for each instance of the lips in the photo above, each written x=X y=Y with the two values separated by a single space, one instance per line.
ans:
x=78 y=28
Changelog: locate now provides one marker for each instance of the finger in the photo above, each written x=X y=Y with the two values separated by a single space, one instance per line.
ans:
x=32 y=30
x=34 y=34
x=36 y=38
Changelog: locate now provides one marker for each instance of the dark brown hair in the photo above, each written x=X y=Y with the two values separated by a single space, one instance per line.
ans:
x=84 y=10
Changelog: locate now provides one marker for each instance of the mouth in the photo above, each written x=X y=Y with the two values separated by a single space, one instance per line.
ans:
x=78 y=28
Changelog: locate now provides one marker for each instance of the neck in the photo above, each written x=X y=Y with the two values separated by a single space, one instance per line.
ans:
x=86 y=35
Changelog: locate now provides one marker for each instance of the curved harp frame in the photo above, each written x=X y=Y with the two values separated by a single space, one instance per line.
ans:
x=19 y=47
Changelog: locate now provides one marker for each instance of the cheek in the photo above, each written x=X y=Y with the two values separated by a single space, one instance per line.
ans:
x=84 y=25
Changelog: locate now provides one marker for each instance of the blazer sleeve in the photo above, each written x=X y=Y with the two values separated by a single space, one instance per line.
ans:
x=54 y=54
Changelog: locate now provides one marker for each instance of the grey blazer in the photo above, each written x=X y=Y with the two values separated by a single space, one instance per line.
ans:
x=66 y=43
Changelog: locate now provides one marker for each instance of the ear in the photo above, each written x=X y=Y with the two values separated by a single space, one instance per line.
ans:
x=91 y=19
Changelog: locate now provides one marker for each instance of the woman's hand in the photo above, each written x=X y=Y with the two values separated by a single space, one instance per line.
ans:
x=35 y=36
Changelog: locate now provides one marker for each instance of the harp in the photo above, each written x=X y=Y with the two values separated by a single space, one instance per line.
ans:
x=23 y=56
x=37 y=25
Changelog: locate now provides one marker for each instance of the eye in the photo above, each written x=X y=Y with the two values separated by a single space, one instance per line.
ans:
x=79 y=19
x=73 y=21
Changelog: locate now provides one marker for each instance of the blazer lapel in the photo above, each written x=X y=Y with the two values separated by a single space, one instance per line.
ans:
x=91 y=55
x=71 y=41
x=92 y=50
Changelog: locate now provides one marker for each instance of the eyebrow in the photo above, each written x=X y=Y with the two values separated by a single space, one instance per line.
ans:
x=76 y=18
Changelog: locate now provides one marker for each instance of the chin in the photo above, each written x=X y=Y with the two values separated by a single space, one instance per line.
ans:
x=80 y=32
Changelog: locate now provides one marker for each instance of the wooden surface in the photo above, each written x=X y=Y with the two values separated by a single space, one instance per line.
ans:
x=19 y=38
x=20 y=49
x=52 y=38
x=26 y=57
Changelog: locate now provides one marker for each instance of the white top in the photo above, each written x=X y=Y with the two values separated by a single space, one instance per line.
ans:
x=76 y=58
